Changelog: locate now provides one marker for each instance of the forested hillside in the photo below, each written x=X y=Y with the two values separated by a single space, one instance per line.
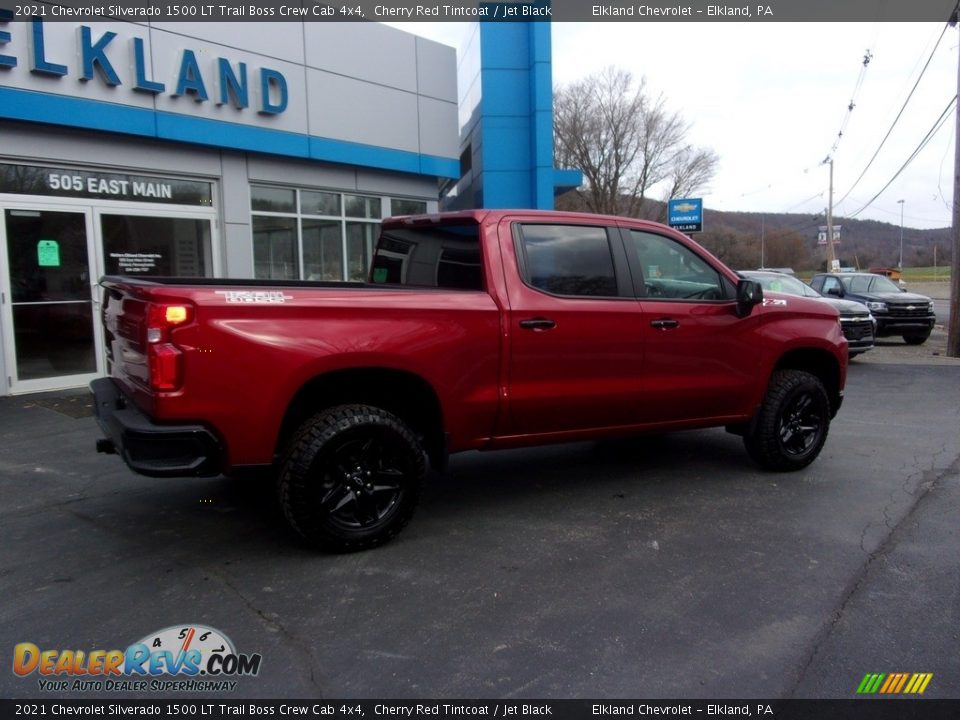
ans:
x=790 y=239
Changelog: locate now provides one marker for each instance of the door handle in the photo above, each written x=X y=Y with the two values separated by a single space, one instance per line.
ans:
x=538 y=324
x=665 y=324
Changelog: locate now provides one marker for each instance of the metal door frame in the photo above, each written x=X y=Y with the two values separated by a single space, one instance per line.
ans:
x=13 y=384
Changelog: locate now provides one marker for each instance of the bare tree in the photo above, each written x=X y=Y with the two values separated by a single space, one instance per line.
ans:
x=691 y=170
x=626 y=143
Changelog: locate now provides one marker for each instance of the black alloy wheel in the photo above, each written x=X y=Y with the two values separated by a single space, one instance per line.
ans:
x=362 y=479
x=801 y=424
x=351 y=478
x=791 y=427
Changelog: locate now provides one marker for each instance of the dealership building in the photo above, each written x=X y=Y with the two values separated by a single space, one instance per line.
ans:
x=222 y=150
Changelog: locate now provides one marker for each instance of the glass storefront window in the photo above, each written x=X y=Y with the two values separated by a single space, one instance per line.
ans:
x=361 y=206
x=398 y=206
x=319 y=235
x=322 y=250
x=275 y=248
x=159 y=246
x=319 y=203
x=360 y=240
x=271 y=199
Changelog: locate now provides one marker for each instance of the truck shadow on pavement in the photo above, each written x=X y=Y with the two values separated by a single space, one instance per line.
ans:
x=213 y=512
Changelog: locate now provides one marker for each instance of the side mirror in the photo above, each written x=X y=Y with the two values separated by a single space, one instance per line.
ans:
x=749 y=293
x=835 y=291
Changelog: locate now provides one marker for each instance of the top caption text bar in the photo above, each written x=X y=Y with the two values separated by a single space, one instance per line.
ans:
x=470 y=10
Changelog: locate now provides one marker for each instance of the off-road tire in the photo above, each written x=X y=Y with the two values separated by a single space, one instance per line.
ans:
x=792 y=424
x=915 y=339
x=351 y=478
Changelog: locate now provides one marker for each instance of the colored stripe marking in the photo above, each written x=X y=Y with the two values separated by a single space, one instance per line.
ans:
x=875 y=685
x=903 y=679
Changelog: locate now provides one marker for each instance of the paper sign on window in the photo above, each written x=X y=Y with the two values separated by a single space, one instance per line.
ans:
x=48 y=253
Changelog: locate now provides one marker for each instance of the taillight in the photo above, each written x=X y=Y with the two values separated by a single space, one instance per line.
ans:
x=162 y=318
x=166 y=367
x=164 y=358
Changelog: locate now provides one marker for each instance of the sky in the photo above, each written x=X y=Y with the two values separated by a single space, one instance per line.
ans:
x=771 y=99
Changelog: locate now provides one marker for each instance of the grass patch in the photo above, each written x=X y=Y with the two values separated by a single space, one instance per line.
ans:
x=926 y=274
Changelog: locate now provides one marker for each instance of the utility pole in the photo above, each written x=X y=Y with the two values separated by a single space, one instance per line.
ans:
x=900 y=264
x=763 y=262
x=953 y=330
x=831 y=257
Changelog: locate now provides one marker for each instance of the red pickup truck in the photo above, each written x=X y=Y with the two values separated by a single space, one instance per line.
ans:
x=475 y=331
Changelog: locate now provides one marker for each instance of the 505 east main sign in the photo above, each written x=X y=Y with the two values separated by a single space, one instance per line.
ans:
x=100 y=55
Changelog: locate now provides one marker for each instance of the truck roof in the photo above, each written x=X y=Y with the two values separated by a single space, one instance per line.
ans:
x=494 y=215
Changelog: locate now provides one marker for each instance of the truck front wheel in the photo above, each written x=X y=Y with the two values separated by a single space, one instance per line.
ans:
x=792 y=424
x=351 y=478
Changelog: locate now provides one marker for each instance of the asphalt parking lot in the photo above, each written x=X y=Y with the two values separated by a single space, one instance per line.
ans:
x=652 y=568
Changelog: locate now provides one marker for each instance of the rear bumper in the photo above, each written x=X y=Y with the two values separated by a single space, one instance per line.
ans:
x=149 y=448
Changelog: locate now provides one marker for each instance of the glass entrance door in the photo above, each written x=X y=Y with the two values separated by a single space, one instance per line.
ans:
x=49 y=331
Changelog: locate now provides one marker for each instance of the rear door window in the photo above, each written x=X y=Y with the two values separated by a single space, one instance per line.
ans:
x=568 y=260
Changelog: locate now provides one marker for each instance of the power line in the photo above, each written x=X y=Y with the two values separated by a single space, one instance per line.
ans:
x=867 y=57
x=929 y=136
x=896 y=214
x=946 y=203
x=896 y=119
x=804 y=202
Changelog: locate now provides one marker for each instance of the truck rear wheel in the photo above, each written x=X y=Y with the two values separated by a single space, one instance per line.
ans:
x=351 y=478
x=792 y=423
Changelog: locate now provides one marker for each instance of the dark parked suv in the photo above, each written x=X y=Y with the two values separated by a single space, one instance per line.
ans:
x=897 y=312
x=857 y=323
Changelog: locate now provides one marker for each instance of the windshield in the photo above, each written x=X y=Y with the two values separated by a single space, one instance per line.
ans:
x=883 y=285
x=783 y=284
x=869 y=283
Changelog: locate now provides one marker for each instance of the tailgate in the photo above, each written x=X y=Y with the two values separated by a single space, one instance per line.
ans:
x=138 y=317
x=124 y=318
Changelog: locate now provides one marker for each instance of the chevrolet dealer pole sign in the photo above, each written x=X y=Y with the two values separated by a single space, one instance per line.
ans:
x=685 y=214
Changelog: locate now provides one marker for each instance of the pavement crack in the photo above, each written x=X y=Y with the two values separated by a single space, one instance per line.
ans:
x=270 y=621
x=912 y=484
x=300 y=646
x=924 y=489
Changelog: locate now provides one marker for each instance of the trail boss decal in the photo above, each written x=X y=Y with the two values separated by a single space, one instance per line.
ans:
x=255 y=297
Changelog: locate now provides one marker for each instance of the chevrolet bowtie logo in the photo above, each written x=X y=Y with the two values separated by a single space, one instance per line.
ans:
x=684 y=207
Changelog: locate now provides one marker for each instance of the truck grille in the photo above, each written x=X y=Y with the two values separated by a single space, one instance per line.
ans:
x=908 y=311
x=858 y=330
